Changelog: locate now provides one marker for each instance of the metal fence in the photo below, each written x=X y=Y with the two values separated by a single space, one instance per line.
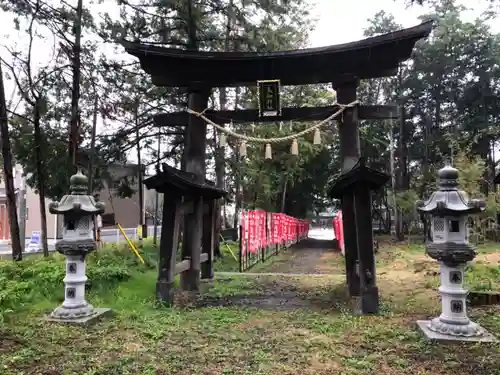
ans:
x=248 y=259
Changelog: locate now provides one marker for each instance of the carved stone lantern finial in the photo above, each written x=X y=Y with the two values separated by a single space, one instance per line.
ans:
x=448 y=178
x=78 y=183
x=449 y=208
x=77 y=209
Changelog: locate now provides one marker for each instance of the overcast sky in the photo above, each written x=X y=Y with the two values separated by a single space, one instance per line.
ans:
x=342 y=21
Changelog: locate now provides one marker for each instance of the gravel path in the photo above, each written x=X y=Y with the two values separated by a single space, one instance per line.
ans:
x=297 y=279
x=311 y=256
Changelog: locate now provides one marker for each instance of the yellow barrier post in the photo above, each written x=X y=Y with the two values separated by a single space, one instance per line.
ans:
x=130 y=243
x=230 y=250
x=99 y=244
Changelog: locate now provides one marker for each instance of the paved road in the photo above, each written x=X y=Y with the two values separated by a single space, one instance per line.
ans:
x=107 y=236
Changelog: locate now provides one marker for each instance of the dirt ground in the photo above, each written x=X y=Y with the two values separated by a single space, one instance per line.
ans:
x=309 y=257
x=401 y=272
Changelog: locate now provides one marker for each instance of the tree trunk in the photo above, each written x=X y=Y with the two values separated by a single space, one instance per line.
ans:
x=398 y=227
x=238 y=188
x=220 y=167
x=90 y=172
x=238 y=199
x=425 y=159
x=283 y=197
x=41 y=177
x=17 y=253
x=75 y=90
x=219 y=174
x=220 y=177
x=400 y=173
x=92 y=145
x=491 y=166
x=142 y=222
x=155 y=224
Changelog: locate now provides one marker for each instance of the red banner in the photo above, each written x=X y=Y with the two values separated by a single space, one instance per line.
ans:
x=260 y=229
x=256 y=230
x=252 y=232
x=288 y=228
x=275 y=239
x=262 y=224
x=338 y=227
x=243 y=233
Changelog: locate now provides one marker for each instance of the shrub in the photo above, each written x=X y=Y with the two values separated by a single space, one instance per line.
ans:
x=23 y=283
x=482 y=277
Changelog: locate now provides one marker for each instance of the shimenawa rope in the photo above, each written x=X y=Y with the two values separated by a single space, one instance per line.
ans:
x=274 y=139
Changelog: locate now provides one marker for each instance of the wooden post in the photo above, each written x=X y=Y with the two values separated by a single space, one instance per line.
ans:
x=194 y=158
x=209 y=222
x=366 y=269
x=191 y=246
x=168 y=248
x=349 y=154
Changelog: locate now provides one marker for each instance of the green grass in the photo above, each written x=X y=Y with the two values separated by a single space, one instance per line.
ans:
x=479 y=275
x=229 y=261
x=141 y=339
x=489 y=248
x=319 y=336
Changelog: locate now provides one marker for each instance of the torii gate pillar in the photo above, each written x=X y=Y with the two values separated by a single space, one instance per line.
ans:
x=194 y=162
x=350 y=152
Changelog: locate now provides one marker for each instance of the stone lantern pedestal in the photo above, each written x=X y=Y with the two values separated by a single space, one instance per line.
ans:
x=449 y=208
x=78 y=208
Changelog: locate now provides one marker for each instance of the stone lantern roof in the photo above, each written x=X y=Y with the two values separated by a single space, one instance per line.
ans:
x=449 y=199
x=78 y=202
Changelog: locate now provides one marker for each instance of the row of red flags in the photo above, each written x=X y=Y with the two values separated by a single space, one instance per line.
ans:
x=260 y=229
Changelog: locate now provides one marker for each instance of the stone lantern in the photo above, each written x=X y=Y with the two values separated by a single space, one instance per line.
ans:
x=78 y=209
x=449 y=208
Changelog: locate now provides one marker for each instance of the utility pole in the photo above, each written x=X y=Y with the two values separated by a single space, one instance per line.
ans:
x=155 y=219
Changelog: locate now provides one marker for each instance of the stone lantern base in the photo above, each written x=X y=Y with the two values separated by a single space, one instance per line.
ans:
x=67 y=316
x=75 y=309
x=458 y=335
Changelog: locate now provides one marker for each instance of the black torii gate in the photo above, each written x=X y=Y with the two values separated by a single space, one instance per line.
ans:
x=341 y=65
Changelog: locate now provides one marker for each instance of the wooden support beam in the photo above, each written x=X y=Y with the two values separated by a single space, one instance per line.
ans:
x=208 y=241
x=365 y=112
x=182 y=266
x=366 y=256
x=187 y=207
x=168 y=249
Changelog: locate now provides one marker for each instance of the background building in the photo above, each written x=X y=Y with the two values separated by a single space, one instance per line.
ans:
x=124 y=211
